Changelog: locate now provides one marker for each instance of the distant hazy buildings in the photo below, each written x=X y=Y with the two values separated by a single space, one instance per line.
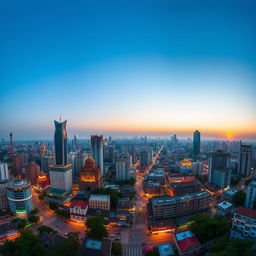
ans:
x=251 y=195
x=219 y=169
x=61 y=172
x=245 y=160
x=196 y=143
x=123 y=167
x=146 y=157
x=19 y=197
x=97 y=151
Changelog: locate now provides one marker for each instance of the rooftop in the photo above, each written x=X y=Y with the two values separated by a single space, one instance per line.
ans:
x=95 y=197
x=56 y=191
x=79 y=203
x=224 y=205
x=186 y=240
x=231 y=192
x=166 y=249
x=246 y=212
x=165 y=200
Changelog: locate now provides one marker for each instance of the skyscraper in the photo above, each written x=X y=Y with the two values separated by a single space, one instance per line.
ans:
x=60 y=143
x=123 y=167
x=61 y=172
x=97 y=151
x=219 y=169
x=245 y=160
x=196 y=143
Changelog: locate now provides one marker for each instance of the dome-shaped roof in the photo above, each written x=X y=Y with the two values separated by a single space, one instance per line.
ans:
x=89 y=161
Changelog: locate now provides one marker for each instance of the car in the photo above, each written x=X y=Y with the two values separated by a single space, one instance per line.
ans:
x=117 y=239
x=65 y=233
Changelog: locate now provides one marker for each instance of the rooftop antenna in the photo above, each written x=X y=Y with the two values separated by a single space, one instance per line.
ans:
x=60 y=118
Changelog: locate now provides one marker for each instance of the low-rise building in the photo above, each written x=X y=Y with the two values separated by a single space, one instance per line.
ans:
x=171 y=207
x=99 y=202
x=184 y=187
x=93 y=247
x=152 y=188
x=244 y=224
x=78 y=210
x=186 y=243
x=8 y=231
x=166 y=249
x=229 y=194
x=224 y=208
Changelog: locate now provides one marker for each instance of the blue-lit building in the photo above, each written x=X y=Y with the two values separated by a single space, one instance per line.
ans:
x=196 y=143
x=19 y=196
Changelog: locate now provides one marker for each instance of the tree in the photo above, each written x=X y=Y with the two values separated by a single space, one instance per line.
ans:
x=26 y=245
x=98 y=232
x=21 y=223
x=205 y=227
x=34 y=211
x=33 y=218
x=239 y=198
x=45 y=228
x=93 y=221
x=154 y=252
x=235 y=247
x=53 y=206
x=116 y=249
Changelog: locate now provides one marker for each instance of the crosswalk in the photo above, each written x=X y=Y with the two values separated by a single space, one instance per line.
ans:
x=131 y=250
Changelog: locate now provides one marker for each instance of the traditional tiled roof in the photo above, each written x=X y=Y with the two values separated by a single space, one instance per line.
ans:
x=247 y=212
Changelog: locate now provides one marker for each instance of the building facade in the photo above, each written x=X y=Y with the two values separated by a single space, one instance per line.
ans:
x=4 y=174
x=31 y=172
x=196 y=143
x=97 y=151
x=90 y=176
x=219 y=169
x=245 y=160
x=99 y=202
x=122 y=167
x=185 y=187
x=19 y=196
x=78 y=210
x=251 y=195
x=171 y=207
x=244 y=224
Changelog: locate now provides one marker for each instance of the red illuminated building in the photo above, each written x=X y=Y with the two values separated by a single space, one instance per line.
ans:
x=184 y=187
x=42 y=183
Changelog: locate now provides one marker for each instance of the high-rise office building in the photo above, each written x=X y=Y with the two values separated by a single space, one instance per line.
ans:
x=46 y=161
x=219 y=169
x=123 y=167
x=196 y=143
x=19 y=196
x=78 y=160
x=4 y=175
x=60 y=143
x=146 y=157
x=245 y=160
x=4 y=179
x=31 y=172
x=250 y=201
x=97 y=151
x=61 y=172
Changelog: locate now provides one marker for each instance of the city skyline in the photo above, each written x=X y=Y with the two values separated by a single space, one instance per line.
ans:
x=127 y=70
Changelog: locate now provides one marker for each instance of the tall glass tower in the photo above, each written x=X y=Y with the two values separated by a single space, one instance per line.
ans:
x=60 y=143
x=97 y=151
x=196 y=143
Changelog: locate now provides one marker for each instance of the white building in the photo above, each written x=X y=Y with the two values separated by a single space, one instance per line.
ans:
x=78 y=210
x=61 y=177
x=3 y=194
x=224 y=208
x=244 y=224
x=99 y=202
x=250 y=195
x=123 y=167
x=4 y=175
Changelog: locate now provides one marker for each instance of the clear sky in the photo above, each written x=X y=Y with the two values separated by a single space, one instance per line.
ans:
x=128 y=68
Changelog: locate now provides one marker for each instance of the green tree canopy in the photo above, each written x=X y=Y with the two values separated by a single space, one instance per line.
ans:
x=45 y=228
x=116 y=249
x=33 y=218
x=26 y=245
x=96 y=227
x=205 y=227
x=235 y=247
x=239 y=198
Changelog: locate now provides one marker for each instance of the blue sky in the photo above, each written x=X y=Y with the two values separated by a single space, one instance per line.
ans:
x=128 y=67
